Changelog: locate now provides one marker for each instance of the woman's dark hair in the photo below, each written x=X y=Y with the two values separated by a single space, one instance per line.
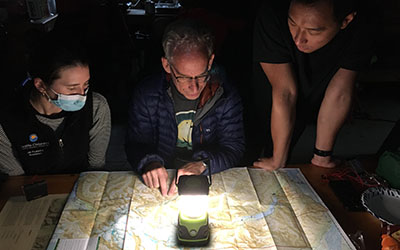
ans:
x=341 y=8
x=51 y=56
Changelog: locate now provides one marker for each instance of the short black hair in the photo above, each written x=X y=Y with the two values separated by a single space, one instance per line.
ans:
x=341 y=8
x=51 y=55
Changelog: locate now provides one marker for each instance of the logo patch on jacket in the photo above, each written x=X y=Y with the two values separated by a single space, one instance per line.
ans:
x=34 y=148
x=33 y=137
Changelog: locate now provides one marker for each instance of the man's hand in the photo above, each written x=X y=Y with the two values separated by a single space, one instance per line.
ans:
x=268 y=164
x=325 y=162
x=156 y=176
x=192 y=168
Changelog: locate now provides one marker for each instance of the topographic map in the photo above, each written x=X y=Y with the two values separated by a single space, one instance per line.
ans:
x=248 y=209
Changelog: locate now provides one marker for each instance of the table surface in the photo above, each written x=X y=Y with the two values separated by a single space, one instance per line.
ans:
x=351 y=222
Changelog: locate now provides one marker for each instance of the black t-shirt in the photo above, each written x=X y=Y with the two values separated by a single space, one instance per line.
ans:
x=350 y=49
x=185 y=110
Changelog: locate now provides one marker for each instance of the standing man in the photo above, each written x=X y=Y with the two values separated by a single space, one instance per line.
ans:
x=310 y=51
x=187 y=118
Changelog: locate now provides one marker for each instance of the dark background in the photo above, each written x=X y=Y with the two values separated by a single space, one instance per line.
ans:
x=123 y=49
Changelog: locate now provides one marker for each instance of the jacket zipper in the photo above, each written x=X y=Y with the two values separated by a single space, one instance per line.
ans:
x=61 y=144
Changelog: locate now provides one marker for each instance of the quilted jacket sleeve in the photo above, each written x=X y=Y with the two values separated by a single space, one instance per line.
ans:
x=140 y=143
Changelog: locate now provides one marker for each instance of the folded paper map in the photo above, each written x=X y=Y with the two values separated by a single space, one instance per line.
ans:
x=248 y=209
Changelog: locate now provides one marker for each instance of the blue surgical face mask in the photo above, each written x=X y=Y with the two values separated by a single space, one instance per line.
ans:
x=69 y=102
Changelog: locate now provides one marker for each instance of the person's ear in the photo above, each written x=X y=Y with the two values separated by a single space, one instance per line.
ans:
x=210 y=61
x=347 y=20
x=165 y=64
x=39 y=85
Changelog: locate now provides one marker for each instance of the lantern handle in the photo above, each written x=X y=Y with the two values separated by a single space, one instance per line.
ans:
x=206 y=162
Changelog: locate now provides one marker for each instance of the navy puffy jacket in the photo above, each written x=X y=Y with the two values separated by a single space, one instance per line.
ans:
x=152 y=128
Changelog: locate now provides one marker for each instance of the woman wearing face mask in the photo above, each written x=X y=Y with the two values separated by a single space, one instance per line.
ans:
x=55 y=124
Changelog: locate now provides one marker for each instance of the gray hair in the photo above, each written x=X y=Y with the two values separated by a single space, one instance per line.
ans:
x=185 y=36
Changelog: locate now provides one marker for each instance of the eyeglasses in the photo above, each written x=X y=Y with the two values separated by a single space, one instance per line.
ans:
x=203 y=78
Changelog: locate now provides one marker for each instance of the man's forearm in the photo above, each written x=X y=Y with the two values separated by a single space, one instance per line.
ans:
x=332 y=115
x=283 y=117
x=283 y=113
x=334 y=108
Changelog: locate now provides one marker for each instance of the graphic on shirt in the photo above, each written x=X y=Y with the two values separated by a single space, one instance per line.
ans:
x=185 y=125
x=33 y=137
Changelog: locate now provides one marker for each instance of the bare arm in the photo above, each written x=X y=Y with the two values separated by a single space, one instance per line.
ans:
x=333 y=112
x=283 y=113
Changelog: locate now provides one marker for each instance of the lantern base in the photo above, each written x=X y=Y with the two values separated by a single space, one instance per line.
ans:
x=193 y=231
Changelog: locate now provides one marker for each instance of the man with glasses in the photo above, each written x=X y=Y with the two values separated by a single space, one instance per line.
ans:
x=188 y=118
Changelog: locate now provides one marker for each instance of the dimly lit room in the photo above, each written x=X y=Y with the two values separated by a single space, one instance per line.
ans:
x=181 y=124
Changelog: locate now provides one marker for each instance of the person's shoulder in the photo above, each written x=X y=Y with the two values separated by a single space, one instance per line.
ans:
x=99 y=100
x=152 y=84
x=229 y=89
x=100 y=106
x=231 y=92
x=220 y=76
x=270 y=23
x=152 y=80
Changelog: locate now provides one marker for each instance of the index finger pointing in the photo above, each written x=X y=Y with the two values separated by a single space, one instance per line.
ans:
x=172 y=188
x=163 y=185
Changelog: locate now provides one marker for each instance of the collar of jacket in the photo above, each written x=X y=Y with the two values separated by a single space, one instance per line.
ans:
x=207 y=99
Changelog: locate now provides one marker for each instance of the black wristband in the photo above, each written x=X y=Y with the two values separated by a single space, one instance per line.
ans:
x=322 y=153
